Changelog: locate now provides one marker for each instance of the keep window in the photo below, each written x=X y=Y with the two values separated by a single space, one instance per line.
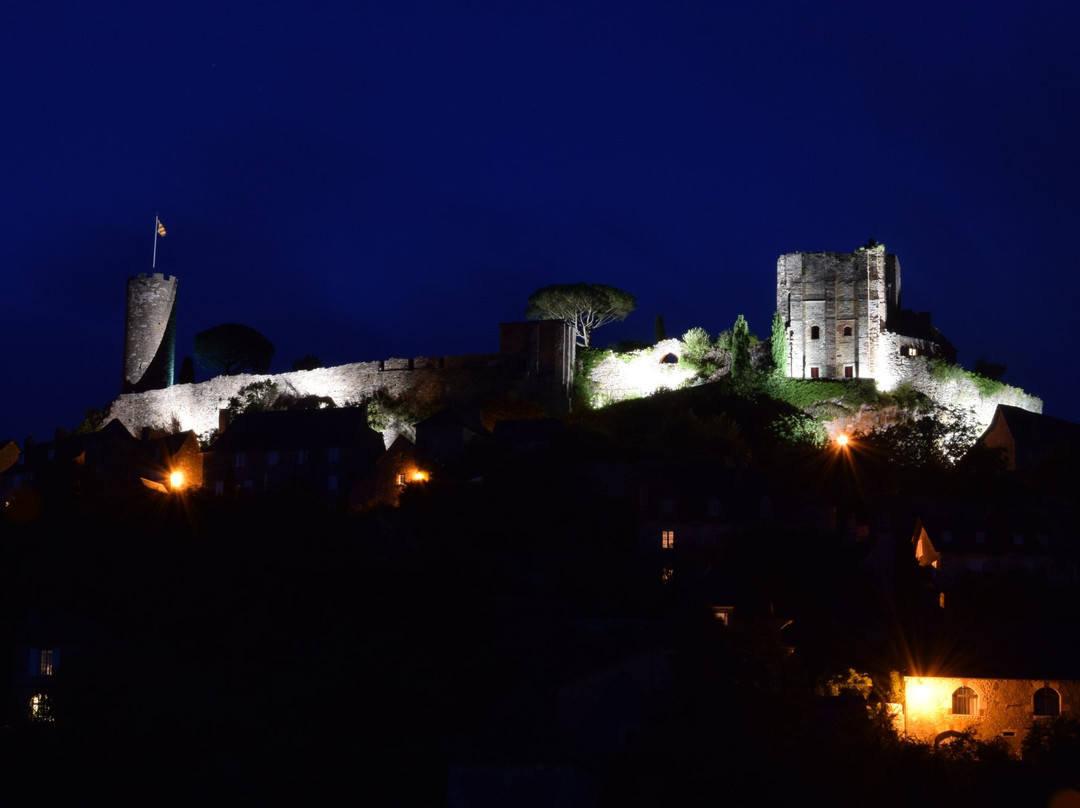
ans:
x=965 y=701
x=39 y=708
x=43 y=661
x=849 y=371
x=814 y=372
x=815 y=332
x=1047 y=701
x=847 y=330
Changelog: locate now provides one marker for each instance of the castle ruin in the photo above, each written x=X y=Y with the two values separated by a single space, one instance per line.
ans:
x=844 y=319
x=535 y=361
x=149 y=333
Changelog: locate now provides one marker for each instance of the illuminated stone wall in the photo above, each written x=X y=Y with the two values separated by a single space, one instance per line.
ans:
x=197 y=406
x=835 y=308
x=640 y=373
x=1005 y=708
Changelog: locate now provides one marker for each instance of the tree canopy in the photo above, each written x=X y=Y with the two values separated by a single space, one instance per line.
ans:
x=585 y=306
x=231 y=348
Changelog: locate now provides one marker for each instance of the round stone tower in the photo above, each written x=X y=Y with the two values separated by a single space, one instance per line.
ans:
x=149 y=333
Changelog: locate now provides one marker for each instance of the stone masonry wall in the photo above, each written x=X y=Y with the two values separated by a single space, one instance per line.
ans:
x=1005 y=707
x=149 y=332
x=639 y=374
x=197 y=406
x=962 y=393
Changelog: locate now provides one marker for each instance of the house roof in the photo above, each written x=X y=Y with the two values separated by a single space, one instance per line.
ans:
x=1029 y=436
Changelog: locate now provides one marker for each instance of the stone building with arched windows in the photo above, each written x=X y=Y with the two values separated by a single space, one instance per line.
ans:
x=938 y=708
x=843 y=317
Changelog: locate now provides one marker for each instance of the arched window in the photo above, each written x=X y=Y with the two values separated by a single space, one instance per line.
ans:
x=815 y=332
x=1047 y=701
x=965 y=701
x=847 y=330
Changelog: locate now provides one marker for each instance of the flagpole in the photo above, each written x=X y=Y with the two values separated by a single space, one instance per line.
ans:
x=157 y=221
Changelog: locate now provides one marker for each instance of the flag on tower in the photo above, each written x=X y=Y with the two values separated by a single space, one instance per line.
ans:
x=160 y=228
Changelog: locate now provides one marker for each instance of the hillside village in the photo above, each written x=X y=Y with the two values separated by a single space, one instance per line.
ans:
x=557 y=576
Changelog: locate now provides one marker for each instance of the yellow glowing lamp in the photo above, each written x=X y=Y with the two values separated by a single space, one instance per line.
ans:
x=918 y=695
x=841 y=440
x=176 y=480
x=419 y=476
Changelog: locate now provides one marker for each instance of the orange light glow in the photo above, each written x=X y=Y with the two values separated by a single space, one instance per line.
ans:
x=176 y=480
x=918 y=695
x=841 y=440
x=419 y=476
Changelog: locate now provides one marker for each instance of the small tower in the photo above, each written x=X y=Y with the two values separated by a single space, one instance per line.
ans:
x=149 y=333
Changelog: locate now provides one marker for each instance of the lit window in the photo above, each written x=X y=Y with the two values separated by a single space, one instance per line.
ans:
x=815 y=332
x=272 y=457
x=814 y=372
x=965 y=701
x=667 y=539
x=333 y=454
x=666 y=574
x=39 y=708
x=401 y=479
x=43 y=661
x=1047 y=701
x=912 y=351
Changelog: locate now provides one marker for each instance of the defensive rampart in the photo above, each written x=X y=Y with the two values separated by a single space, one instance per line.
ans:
x=197 y=407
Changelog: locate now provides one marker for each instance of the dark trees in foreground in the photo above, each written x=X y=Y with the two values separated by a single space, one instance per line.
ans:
x=232 y=348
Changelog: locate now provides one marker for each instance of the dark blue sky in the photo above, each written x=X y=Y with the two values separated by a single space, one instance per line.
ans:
x=367 y=180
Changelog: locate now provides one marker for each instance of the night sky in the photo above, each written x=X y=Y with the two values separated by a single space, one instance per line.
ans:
x=371 y=180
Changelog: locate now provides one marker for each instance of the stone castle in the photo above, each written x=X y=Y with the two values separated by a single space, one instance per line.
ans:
x=535 y=361
x=844 y=321
x=842 y=314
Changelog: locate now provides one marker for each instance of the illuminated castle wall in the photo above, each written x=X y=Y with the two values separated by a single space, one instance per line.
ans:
x=149 y=333
x=535 y=361
x=843 y=316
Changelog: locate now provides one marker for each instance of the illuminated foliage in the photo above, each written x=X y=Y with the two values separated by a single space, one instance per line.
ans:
x=778 y=344
x=254 y=397
x=585 y=306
